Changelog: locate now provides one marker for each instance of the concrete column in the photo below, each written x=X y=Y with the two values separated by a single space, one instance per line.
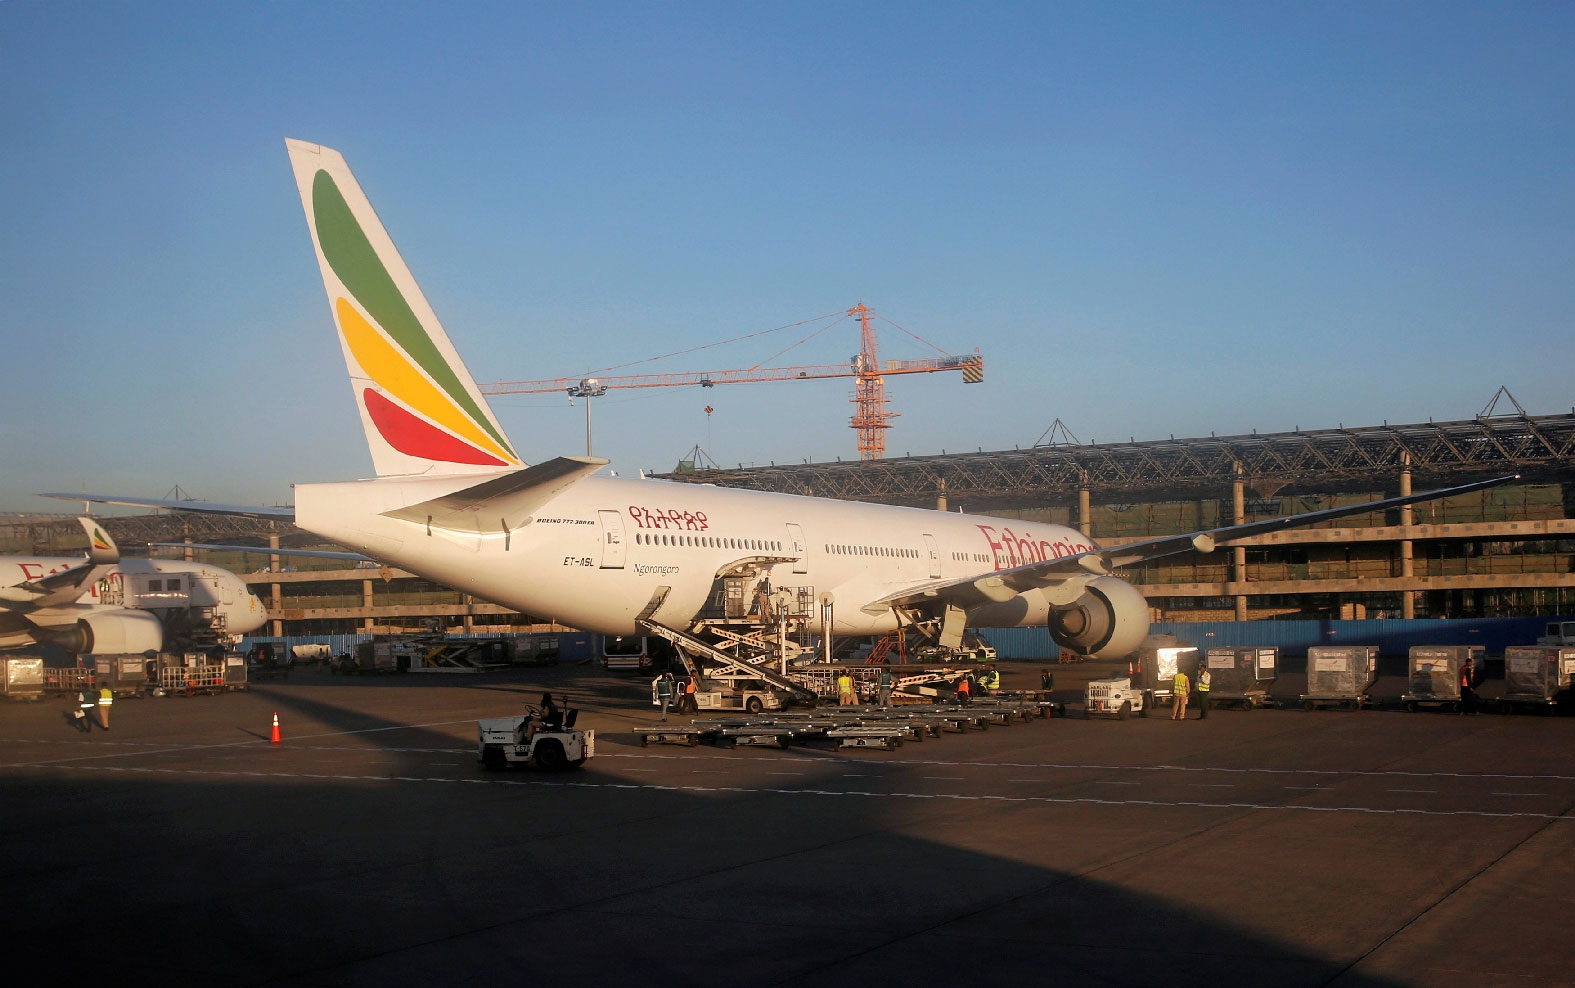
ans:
x=468 y=601
x=366 y=601
x=1238 y=494
x=1085 y=523
x=1407 y=549
x=940 y=495
x=275 y=598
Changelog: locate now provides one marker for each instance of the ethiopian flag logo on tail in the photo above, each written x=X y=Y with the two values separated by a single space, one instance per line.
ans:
x=100 y=540
x=414 y=392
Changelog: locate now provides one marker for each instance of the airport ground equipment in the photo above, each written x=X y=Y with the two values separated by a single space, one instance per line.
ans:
x=22 y=677
x=1116 y=697
x=189 y=674
x=1536 y=676
x=1559 y=633
x=505 y=741
x=128 y=675
x=1153 y=670
x=1434 y=675
x=1340 y=675
x=1242 y=675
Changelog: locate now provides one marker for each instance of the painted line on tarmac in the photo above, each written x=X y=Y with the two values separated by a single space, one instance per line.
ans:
x=1086 y=767
x=767 y=791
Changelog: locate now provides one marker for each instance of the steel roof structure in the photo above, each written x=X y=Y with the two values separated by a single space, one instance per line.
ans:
x=1540 y=448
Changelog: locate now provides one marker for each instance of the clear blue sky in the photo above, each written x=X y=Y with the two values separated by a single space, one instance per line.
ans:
x=1152 y=219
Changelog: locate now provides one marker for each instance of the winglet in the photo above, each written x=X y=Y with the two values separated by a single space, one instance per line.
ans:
x=101 y=548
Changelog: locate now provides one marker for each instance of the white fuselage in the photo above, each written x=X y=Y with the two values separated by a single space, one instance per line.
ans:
x=145 y=584
x=594 y=556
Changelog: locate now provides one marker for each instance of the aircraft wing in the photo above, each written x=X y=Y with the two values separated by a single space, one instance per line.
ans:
x=1061 y=580
x=200 y=507
x=315 y=553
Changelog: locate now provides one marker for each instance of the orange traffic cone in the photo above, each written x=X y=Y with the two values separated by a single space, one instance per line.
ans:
x=275 y=738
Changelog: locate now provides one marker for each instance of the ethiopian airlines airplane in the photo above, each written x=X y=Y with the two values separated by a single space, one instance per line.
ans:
x=102 y=603
x=453 y=501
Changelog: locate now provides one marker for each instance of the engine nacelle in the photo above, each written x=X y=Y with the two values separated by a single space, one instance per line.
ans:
x=1109 y=621
x=124 y=632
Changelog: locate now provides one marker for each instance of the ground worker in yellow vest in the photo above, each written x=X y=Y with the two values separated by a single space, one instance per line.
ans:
x=106 y=697
x=992 y=680
x=1178 y=709
x=845 y=695
x=1204 y=681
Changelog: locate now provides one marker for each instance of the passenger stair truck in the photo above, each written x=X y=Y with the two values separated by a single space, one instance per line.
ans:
x=1435 y=675
x=1242 y=675
x=1536 y=676
x=1340 y=675
x=1150 y=681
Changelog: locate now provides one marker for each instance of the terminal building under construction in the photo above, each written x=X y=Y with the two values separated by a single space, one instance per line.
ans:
x=1502 y=552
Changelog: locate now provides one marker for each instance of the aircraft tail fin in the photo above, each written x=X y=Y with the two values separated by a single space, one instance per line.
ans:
x=101 y=548
x=421 y=409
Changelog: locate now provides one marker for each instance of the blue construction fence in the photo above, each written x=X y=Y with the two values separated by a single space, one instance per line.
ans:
x=1393 y=637
x=572 y=645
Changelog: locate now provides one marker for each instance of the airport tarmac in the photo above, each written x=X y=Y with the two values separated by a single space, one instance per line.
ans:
x=370 y=849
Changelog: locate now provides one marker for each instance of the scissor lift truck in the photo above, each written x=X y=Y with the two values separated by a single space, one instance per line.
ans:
x=505 y=741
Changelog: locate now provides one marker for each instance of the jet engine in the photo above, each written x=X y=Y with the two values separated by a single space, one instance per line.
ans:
x=1110 y=620
x=113 y=633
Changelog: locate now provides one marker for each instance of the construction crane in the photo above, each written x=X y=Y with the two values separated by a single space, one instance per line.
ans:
x=870 y=418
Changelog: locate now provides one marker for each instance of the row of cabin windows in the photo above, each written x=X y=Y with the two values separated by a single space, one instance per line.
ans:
x=708 y=542
x=970 y=557
x=872 y=550
x=157 y=586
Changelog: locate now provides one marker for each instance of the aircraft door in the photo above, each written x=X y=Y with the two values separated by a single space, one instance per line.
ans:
x=934 y=551
x=799 y=548
x=610 y=524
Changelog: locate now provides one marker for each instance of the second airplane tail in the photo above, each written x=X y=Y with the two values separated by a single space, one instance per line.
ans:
x=421 y=410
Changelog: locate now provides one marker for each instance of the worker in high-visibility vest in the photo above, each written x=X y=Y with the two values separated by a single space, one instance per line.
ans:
x=1205 y=680
x=106 y=696
x=87 y=703
x=845 y=695
x=1179 y=689
x=992 y=680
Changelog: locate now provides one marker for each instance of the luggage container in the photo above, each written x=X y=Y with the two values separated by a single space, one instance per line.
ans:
x=125 y=675
x=23 y=677
x=1435 y=675
x=1536 y=676
x=1340 y=675
x=235 y=672
x=1154 y=670
x=190 y=674
x=1242 y=675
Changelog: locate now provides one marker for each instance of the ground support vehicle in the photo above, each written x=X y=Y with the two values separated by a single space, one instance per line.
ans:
x=684 y=734
x=1116 y=697
x=1559 y=633
x=1153 y=671
x=1340 y=675
x=23 y=677
x=1241 y=676
x=887 y=737
x=1537 y=677
x=505 y=741
x=1435 y=675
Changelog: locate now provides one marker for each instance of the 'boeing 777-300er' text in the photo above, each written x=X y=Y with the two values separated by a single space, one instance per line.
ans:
x=454 y=502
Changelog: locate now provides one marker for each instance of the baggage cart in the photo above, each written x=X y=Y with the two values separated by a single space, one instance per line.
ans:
x=1340 y=675
x=1536 y=676
x=235 y=672
x=1242 y=675
x=67 y=679
x=1435 y=675
x=23 y=677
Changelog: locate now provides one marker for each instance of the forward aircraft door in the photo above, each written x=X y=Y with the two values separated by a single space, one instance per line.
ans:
x=799 y=547
x=610 y=524
x=934 y=551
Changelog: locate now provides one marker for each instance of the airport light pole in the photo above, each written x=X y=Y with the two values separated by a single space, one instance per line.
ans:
x=588 y=389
